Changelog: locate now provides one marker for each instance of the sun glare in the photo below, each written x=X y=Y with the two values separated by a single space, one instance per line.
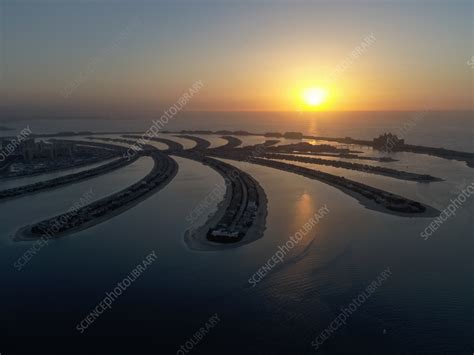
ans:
x=314 y=96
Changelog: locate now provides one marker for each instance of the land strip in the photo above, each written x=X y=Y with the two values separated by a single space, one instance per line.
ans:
x=370 y=169
x=88 y=155
x=64 y=180
x=163 y=171
x=370 y=197
x=172 y=145
x=232 y=142
x=240 y=217
x=200 y=142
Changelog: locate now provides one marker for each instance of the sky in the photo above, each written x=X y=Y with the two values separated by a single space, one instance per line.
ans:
x=133 y=57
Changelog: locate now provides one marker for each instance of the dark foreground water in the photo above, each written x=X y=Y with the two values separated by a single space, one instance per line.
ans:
x=424 y=306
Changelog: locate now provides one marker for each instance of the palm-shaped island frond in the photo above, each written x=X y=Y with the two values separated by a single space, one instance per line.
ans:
x=241 y=215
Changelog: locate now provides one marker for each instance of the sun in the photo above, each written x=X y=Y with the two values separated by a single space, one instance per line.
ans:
x=314 y=96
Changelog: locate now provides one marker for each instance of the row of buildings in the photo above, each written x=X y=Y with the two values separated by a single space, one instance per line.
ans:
x=30 y=149
x=164 y=168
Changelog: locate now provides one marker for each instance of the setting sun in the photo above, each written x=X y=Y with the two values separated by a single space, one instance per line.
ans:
x=314 y=96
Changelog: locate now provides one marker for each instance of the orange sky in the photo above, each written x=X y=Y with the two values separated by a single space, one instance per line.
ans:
x=251 y=56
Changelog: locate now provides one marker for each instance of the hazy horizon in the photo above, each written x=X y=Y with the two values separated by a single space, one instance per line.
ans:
x=141 y=56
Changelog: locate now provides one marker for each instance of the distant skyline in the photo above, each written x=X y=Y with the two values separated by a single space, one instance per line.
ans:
x=136 y=57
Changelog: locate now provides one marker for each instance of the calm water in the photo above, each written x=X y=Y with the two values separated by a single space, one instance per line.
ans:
x=448 y=129
x=424 y=306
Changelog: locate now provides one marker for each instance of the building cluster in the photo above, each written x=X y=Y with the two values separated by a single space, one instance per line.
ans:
x=63 y=180
x=35 y=157
x=242 y=210
x=31 y=149
x=388 y=141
